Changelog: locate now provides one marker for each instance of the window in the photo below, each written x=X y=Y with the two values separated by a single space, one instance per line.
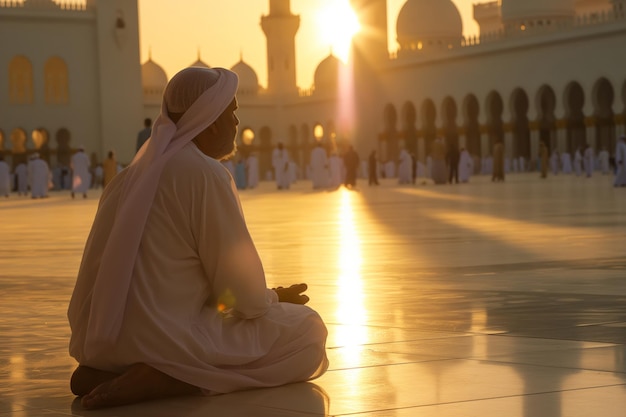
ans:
x=56 y=81
x=20 y=80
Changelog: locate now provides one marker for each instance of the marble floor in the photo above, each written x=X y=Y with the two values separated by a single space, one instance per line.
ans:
x=466 y=300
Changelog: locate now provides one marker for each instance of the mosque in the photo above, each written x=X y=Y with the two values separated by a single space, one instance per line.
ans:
x=540 y=70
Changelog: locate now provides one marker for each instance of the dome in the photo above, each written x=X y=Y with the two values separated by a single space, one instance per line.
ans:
x=429 y=22
x=152 y=75
x=248 y=80
x=516 y=10
x=326 y=76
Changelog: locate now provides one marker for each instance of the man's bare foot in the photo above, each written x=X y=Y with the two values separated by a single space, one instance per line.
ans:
x=140 y=383
x=85 y=379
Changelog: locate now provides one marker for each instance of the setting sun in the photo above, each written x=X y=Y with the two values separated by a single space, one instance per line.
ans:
x=337 y=23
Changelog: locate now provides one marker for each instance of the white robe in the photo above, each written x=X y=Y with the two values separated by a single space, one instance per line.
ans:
x=620 y=160
x=252 y=164
x=280 y=162
x=390 y=169
x=319 y=168
x=554 y=163
x=335 y=167
x=81 y=177
x=466 y=166
x=198 y=308
x=39 y=178
x=603 y=162
x=566 y=163
x=5 y=179
x=405 y=171
x=578 y=163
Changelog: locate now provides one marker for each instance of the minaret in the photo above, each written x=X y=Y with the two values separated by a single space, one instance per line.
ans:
x=280 y=28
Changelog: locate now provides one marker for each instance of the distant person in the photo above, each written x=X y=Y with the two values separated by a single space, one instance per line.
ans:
x=404 y=167
x=39 y=176
x=466 y=166
x=566 y=163
x=335 y=171
x=555 y=160
x=81 y=176
x=252 y=166
x=439 y=174
x=280 y=162
x=603 y=161
x=171 y=297
x=5 y=178
x=21 y=178
x=372 y=168
x=98 y=177
x=109 y=166
x=543 y=159
x=241 y=180
x=144 y=134
x=452 y=159
x=578 y=162
x=589 y=160
x=351 y=164
x=620 y=162
x=498 y=162
x=319 y=167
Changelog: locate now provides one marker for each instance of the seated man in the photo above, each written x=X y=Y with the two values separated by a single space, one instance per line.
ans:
x=171 y=297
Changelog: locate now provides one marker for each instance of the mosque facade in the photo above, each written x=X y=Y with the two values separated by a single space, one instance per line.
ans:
x=540 y=70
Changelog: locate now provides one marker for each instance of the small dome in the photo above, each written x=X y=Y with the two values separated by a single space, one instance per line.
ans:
x=248 y=80
x=516 y=10
x=427 y=23
x=152 y=75
x=327 y=74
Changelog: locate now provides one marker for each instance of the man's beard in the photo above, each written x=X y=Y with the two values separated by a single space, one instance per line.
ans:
x=228 y=150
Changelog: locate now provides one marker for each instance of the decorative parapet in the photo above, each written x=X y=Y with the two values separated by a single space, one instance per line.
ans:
x=67 y=5
x=576 y=23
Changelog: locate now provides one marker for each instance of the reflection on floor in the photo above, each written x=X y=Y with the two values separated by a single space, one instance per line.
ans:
x=479 y=299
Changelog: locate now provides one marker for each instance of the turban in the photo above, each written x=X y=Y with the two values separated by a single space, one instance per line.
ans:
x=201 y=95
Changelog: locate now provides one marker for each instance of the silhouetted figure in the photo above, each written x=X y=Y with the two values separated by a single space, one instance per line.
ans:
x=351 y=163
x=543 y=158
x=498 y=162
x=372 y=168
x=144 y=134
x=452 y=159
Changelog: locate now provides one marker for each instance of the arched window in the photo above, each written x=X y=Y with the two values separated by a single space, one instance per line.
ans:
x=20 y=80
x=56 y=81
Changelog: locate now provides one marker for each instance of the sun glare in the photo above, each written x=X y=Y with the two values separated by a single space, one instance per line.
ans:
x=337 y=24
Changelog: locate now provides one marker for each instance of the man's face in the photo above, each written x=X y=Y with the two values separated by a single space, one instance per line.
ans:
x=218 y=140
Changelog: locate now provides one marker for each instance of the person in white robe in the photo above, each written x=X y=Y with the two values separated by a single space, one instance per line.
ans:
x=252 y=166
x=280 y=163
x=319 y=167
x=466 y=166
x=578 y=163
x=555 y=160
x=566 y=163
x=404 y=167
x=171 y=297
x=390 y=169
x=21 y=178
x=589 y=161
x=522 y=164
x=335 y=171
x=620 y=162
x=39 y=177
x=603 y=162
x=81 y=177
x=5 y=178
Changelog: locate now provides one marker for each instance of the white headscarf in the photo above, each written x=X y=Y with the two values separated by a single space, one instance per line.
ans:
x=202 y=94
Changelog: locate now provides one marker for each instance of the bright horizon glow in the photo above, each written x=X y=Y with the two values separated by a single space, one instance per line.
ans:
x=337 y=24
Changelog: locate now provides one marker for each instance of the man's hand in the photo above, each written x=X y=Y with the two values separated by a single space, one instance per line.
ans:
x=292 y=294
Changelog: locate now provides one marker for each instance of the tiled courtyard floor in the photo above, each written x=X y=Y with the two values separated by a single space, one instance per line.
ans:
x=481 y=299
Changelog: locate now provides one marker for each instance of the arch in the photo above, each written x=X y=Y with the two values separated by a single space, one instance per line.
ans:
x=471 y=111
x=20 y=80
x=574 y=101
x=545 y=102
x=40 y=138
x=603 y=96
x=521 y=128
x=390 y=117
x=56 y=82
x=449 y=114
x=3 y=145
x=429 y=129
x=247 y=136
x=409 y=128
x=494 y=109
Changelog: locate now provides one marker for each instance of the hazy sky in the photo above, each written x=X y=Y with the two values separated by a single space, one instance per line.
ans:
x=223 y=30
